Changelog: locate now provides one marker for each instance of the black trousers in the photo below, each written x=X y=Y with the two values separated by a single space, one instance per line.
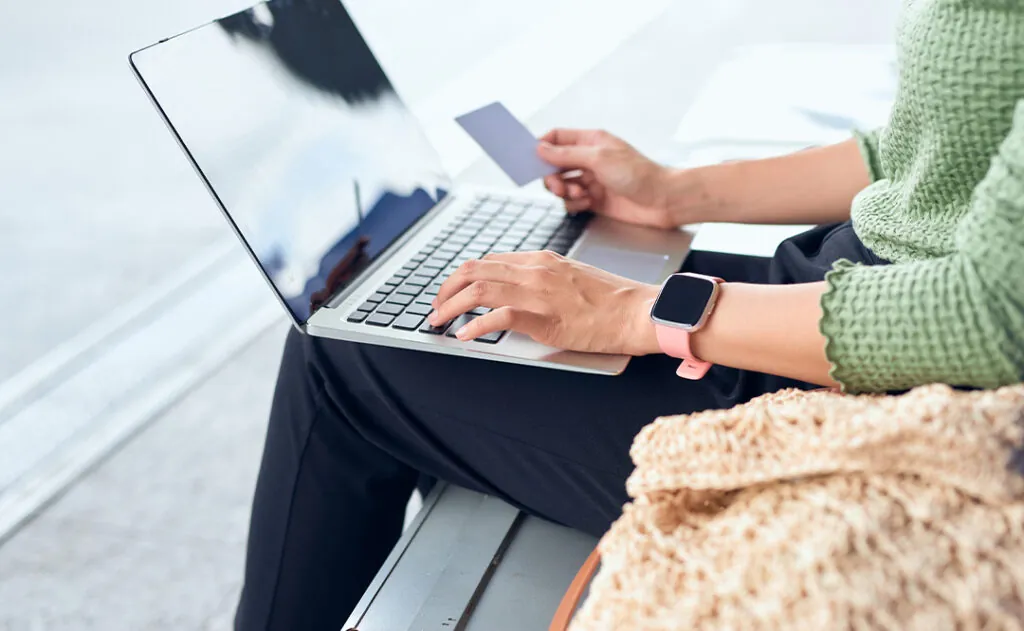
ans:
x=353 y=427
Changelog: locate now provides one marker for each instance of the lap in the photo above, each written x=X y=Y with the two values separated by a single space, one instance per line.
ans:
x=553 y=442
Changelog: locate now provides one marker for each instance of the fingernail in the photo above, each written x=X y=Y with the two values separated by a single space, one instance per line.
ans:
x=432 y=318
x=462 y=334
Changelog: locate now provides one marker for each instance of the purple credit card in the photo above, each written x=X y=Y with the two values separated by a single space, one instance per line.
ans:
x=509 y=143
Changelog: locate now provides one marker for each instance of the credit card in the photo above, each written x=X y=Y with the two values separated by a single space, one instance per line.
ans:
x=507 y=141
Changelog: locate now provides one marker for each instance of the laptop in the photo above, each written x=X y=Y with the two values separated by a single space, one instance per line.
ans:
x=338 y=196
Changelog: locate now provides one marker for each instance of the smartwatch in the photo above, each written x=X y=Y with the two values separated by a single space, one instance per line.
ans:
x=683 y=307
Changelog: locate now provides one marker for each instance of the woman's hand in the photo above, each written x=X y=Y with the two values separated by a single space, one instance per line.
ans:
x=556 y=301
x=605 y=174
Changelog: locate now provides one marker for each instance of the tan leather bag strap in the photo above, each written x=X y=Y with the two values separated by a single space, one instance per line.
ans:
x=571 y=599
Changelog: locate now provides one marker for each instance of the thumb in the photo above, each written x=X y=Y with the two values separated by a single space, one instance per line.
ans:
x=567 y=156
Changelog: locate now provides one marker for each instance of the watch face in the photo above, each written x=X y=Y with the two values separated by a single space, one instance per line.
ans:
x=683 y=300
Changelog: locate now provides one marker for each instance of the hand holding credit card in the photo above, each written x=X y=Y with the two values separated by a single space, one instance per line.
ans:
x=507 y=141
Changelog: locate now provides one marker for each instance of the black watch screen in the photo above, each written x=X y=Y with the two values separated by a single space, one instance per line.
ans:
x=683 y=300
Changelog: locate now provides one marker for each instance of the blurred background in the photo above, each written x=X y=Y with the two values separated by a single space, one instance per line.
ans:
x=138 y=346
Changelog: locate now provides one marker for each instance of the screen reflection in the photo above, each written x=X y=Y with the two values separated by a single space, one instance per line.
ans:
x=287 y=113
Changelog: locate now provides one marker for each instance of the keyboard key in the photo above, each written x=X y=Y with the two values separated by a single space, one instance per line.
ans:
x=410 y=266
x=433 y=288
x=418 y=308
x=408 y=322
x=390 y=308
x=533 y=214
x=508 y=242
x=399 y=277
x=525 y=224
x=367 y=306
x=379 y=319
x=378 y=297
x=358 y=316
x=425 y=299
x=412 y=290
x=560 y=245
x=460 y=322
x=436 y=241
x=490 y=206
x=459 y=241
x=480 y=311
x=421 y=280
x=533 y=243
x=400 y=299
x=491 y=338
x=436 y=262
x=433 y=330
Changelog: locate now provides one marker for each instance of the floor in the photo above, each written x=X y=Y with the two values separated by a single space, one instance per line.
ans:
x=152 y=539
x=98 y=209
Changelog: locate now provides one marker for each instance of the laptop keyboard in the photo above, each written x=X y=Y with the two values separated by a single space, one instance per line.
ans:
x=489 y=225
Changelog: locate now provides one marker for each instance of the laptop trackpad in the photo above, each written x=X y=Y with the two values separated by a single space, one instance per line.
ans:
x=645 y=267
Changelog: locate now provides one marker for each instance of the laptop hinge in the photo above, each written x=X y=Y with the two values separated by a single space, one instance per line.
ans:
x=388 y=253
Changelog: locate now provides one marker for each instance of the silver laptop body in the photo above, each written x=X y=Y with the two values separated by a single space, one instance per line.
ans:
x=336 y=193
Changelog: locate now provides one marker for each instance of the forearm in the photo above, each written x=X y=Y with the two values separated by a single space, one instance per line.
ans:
x=811 y=186
x=782 y=340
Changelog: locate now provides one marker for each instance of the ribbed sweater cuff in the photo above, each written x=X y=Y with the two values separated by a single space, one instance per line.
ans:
x=867 y=141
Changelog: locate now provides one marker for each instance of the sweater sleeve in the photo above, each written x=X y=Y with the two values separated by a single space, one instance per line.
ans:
x=958 y=319
x=868 y=143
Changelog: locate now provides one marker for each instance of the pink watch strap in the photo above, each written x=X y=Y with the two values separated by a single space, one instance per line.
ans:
x=676 y=343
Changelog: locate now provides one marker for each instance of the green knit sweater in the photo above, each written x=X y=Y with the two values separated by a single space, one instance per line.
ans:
x=946 y=206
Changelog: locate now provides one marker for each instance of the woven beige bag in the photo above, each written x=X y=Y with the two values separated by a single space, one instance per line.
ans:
x=822 y=511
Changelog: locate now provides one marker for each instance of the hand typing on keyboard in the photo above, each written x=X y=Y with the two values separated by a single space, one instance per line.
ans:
x=488 y=226
x=556 y=301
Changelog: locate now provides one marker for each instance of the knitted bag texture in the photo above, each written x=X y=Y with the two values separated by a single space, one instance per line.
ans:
x=816 y=510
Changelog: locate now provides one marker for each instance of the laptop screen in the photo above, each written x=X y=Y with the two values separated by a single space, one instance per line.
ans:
x=294 y=125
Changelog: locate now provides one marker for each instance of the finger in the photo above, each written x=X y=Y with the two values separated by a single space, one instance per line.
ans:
x=525 y=260
x=588 y=179
x=568 y=156
x=555 y=184
x=578 y=205
x=479 y=293
x=502 y=319
x=471 y=271
x=575 y=190
x=563 y=136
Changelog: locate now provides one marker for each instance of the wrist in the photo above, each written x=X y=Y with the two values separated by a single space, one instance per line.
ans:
x=642 y=339
x=702 y=341
x=693 y=195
